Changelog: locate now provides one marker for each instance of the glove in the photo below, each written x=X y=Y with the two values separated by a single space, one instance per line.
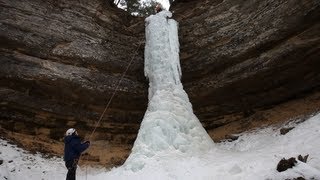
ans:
x=87 y=142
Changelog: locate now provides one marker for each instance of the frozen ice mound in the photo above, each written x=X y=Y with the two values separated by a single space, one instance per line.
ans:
x=169 y=125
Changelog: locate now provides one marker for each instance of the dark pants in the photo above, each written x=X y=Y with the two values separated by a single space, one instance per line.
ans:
x=72 y=167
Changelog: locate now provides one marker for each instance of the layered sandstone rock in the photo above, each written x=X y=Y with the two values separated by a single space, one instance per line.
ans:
x=60 y=63
x=243 y=63
x=237 y=56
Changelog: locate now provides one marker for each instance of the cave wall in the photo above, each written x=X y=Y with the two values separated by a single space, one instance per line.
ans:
x=238 y=56
x=62 y=60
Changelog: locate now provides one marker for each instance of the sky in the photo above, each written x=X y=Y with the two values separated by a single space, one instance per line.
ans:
x=165 y=3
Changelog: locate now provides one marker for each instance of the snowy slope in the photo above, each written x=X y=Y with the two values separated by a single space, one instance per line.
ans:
x=253 y=156
x=18 y=164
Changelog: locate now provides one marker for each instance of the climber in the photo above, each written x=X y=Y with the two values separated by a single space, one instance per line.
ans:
x=158 y=8
x=72 y=151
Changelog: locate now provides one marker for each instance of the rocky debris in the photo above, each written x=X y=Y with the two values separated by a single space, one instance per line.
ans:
x=284 y=131
x=115 y=161
x=86 y=156
x=285 y=164
x=303 y=158
x=298 y=178
x=231 y=137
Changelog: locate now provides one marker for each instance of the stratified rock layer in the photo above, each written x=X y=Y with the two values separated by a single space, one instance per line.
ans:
x=237 y=56
x=242 y=61
x=60 y=63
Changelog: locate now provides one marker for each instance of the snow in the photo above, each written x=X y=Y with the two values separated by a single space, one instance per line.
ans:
x=172 y=144
x=19 y=164
x=253 y=156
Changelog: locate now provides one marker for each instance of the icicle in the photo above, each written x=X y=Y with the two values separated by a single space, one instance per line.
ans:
x=174 y=46
x=169 y=125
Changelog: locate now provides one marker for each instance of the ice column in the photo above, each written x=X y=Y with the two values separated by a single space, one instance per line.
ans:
x=169 y=126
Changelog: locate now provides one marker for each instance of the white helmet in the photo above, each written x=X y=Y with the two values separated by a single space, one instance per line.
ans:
x=70 y=131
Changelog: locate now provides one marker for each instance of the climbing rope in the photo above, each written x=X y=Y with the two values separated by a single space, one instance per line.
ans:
x=110 y=99
x=114 y=92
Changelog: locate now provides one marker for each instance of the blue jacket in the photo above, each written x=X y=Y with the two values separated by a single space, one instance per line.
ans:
x=73 y=147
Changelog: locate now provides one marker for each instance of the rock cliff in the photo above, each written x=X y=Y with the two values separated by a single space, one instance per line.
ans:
x=245 y=64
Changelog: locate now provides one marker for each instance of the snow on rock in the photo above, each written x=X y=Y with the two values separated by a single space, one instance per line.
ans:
x=169 y=124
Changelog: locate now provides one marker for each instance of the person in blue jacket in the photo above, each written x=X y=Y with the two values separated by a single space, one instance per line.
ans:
x=73 y=147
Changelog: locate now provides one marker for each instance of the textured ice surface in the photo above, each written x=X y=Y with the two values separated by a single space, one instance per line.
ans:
x=169 y=124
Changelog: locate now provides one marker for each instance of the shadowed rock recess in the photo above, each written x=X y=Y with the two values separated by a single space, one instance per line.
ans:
x=245 y=64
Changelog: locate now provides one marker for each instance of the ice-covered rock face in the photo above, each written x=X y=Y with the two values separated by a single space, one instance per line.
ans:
x=162 y=65
x=169 y=124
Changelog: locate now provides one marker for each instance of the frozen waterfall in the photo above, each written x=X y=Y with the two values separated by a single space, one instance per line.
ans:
x=169 y=125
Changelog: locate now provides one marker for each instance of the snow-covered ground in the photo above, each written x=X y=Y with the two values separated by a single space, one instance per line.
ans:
x=253 y=156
